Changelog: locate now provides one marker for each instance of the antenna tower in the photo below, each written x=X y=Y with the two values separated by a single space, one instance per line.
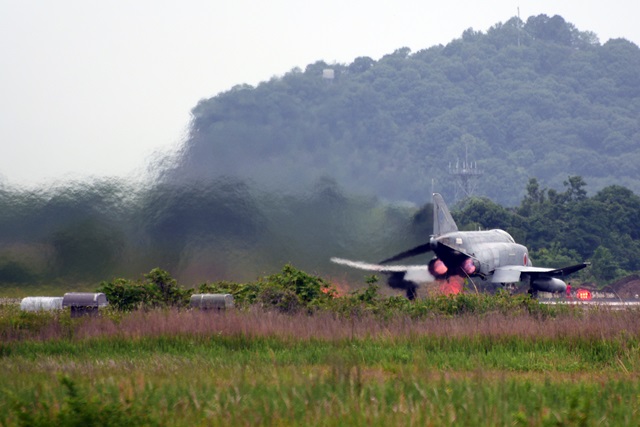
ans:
x=519 y=26
x=466 y=174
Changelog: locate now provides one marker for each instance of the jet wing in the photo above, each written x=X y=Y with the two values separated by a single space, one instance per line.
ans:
x=512 y=273
x=565 y=271
x=414 y=273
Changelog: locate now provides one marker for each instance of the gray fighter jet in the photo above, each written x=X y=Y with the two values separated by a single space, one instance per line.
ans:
x=482 y=257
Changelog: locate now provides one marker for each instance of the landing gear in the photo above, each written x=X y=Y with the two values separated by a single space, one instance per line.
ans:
x=411 y=291
x=396 y=281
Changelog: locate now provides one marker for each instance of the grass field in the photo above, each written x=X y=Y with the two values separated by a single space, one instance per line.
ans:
x=254 y=367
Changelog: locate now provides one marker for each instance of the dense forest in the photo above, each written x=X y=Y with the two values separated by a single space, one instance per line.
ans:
x=525 y=99
x=305 y=167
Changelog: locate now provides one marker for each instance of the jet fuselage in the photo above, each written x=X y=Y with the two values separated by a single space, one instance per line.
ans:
x=476 y=253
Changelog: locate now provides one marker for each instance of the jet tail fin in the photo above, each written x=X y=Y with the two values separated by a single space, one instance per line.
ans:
x=442 y=220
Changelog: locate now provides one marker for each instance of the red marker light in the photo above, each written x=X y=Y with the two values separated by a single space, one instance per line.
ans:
x=583 y=294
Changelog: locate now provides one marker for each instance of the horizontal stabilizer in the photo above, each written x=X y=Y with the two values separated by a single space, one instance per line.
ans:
x=379 y=268
x=411 y=273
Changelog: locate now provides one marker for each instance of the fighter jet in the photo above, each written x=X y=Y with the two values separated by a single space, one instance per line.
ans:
x=479 y=257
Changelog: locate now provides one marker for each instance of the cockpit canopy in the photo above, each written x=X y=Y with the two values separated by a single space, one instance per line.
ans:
x=507 y=235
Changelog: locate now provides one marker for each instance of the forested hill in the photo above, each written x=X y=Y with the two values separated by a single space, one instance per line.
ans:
x=526 y=99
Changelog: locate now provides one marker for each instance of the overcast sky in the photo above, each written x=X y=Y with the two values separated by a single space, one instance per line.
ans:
x=95 y=88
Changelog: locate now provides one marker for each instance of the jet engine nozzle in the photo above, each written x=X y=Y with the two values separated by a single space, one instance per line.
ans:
x=438 y=268
x=468 y=266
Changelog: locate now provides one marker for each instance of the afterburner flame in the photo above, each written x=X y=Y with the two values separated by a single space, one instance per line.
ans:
x=468 y=266
x=439 y=268
x=452 y=285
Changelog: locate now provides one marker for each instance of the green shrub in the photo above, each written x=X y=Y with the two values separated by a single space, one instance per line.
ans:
x=289 y=291
x=283 y=300
x=160 y=290
x=122 y=294
x=308 y=288
x=293 y=290
x=164 y=290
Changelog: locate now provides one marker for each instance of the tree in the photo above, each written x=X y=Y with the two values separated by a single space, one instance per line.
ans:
x=575 y=189
x=361 y=64
x=603 y=265
x=480 y=212
x=534 y=198
x=552 y=29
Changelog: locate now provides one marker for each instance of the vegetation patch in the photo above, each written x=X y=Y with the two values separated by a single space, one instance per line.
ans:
x=457 y=372
x=294 y=351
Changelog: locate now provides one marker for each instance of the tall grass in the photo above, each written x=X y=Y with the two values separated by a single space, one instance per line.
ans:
x=593 y=341
x=323 y=325
x=263 y=367
x=170 y=391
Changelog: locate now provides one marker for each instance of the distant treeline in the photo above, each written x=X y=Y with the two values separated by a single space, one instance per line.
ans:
x=226 y=229
x=524 y=99
x=567 y=227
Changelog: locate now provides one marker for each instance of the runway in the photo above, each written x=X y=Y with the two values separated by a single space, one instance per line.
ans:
x=613 y=304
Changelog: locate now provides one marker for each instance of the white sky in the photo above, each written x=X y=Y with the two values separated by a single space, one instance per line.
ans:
x=95 y=87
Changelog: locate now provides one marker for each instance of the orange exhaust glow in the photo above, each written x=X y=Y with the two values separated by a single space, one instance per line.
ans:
x=452 y=285
x=336 y=289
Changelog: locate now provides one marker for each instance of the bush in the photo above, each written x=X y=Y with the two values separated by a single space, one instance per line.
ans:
x=293 y=290
x=283 y=300
x=160 y=290
x=308 y=288
x=288 y=291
